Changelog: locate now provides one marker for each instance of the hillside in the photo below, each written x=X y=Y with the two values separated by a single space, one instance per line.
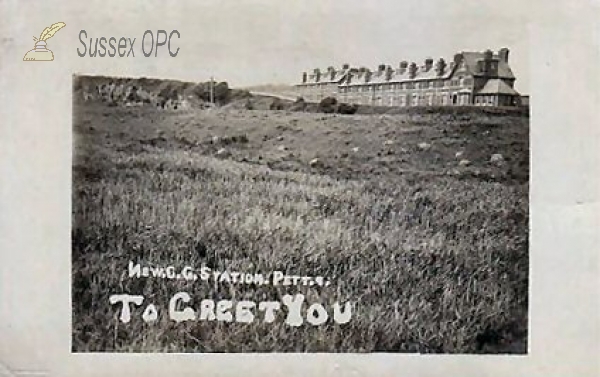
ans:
x=420 y=219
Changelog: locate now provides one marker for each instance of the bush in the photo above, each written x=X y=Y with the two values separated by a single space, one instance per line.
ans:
x=169 y=93
x=328 y=105
x=222 y=92
x=345 y=108
x=276 y=104
x=298 y=105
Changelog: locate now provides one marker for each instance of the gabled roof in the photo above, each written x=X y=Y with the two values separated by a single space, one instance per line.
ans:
x=359 y=76
x=471 y=59
x=497 y=86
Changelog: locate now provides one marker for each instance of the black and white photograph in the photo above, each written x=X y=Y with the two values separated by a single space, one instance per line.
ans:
x=299 y=188
x=370 y=196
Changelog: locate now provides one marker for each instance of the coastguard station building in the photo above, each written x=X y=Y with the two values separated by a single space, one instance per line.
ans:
x=470 y=78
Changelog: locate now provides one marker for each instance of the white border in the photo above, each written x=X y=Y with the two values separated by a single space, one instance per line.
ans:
x=35 y=215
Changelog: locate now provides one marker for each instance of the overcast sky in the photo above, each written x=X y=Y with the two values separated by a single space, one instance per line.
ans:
x=249 y=42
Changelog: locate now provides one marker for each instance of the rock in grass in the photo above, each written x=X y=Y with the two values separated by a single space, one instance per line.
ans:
x=424 y=146
x=497 y=159
x=464 y=163
x=315 y=162
x=223 y=152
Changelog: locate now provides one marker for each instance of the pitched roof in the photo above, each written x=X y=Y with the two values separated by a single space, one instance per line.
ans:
x=471 y=59
x=497 y=86
x=398 y=75
x=326 y=77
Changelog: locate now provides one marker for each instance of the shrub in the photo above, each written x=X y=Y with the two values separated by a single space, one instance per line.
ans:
x=221 y=92
x=276 y=104
x=328 y=105
x=298 y=105
x=345 y=108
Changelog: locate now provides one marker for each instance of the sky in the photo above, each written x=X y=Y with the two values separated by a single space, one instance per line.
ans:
x=253 y=42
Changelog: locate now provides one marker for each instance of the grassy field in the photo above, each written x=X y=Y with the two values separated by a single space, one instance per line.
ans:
x=432 y=252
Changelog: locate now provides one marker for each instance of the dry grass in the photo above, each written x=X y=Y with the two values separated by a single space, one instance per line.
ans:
x=435 y=263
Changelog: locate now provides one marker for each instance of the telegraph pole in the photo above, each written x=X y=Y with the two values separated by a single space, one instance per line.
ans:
x=212 y=91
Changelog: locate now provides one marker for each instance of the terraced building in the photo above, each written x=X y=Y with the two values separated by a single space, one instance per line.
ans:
x=470 y=78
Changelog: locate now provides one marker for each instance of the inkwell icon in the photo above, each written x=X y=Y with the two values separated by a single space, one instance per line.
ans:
x=40 y=52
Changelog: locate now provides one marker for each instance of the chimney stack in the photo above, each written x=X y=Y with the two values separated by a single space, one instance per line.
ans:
x=457 y=58
x=388 y=73
x=412 y=70
x=440 y=67
x=317 y=75
x=503 y=54
x=346 y=66
x=403 y=66
x=488 y=55
x=304 y=77
x=428 y=64
x=331 y=71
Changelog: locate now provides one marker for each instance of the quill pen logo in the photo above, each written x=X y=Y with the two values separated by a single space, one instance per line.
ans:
x=41 y=53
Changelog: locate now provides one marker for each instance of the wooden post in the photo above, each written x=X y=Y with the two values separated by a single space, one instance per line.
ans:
x=212 y=91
